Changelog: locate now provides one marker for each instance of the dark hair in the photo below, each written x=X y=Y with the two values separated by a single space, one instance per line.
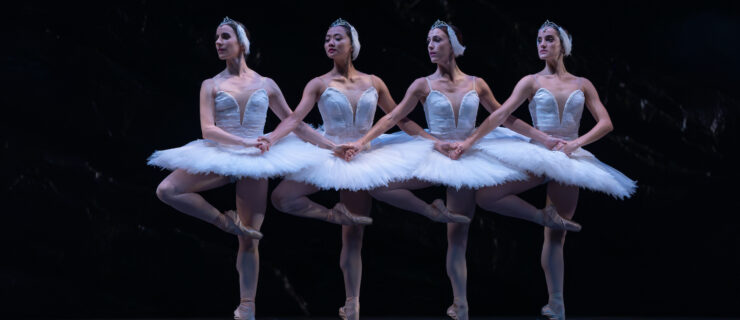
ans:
x=234 y=26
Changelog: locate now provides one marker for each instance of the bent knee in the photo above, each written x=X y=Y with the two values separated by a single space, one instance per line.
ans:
x=166 y=191
x=281 y=200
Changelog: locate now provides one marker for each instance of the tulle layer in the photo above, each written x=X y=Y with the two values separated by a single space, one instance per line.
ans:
x=474 y=169
x=581 y=168
x=289 y=155
x=387 y=160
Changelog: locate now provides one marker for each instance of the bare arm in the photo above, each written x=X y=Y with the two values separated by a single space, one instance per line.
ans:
x=207 y=123
x=489 y=102
x=415 y=91
x=385 y=101
x=521 y=91
x=598 y=111
x=294 y=120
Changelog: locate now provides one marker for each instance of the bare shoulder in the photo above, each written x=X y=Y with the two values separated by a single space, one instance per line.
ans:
x=419 y=87
x=528 y=79
x=419 y=83
x=377 y=80
x=480 y=82
x=528 y=84
x=270 y=85
x=378 y=83
x=209 y=86
x=585 y=82
x=316 y=84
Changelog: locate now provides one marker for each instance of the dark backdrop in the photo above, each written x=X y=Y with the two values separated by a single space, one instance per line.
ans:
x=90 y=90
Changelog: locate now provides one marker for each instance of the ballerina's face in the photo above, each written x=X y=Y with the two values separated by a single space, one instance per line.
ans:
x=227 y=43
x=438 y=45
x=548 y=44
x=337 y=43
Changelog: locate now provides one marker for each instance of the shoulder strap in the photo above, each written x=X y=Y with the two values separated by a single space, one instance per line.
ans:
x=536 y=82
x=428 y=83
x=475 y=79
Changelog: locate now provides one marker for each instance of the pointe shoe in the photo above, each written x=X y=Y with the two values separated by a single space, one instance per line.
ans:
x=442 y=214
x=552 y=220
x=548 y=312
x=231 y=223
x=350 y=310
x=458 y=310
x=245 y=310
x=341 y=215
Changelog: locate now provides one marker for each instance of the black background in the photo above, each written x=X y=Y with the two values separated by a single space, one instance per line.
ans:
x=90 y=90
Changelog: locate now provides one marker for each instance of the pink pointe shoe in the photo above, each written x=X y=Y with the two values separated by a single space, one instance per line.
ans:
x=552 y=220
x=245 y=310
x=341 y=215
x=231 y=223
x=458 y=310
x=442 y=214
x=549 y=312
x=350 y=310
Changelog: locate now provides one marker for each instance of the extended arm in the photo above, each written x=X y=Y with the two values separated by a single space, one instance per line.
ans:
x=293 y=121
x=491 y=104
x=385 y=101
x=521 y=92
x=396 y=114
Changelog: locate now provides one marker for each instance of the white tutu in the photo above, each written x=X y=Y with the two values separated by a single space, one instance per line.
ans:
x=288 y=155
x=581 y=168
x=387 y=160
x=474 y=169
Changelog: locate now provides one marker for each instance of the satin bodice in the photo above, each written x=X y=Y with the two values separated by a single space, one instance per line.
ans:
x=229 y=117
x=441 y=118
x=546 y=115
x=342 y=123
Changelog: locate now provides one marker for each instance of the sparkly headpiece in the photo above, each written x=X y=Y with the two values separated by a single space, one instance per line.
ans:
x=353 y=35
x=457 y=48
x=565 y=39
x=240 y=33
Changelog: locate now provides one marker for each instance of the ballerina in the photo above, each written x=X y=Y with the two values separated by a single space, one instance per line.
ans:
x=233 y=109
x=556 y=101
x=449 y=123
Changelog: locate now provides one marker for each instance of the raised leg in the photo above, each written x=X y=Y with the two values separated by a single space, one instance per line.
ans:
x=503 y=199
x=179 y=190
x=399 y=195
x=291 y=197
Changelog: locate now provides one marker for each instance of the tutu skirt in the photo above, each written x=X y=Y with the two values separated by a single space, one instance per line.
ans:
x=387 y=160
x=288 y=155
x=581 y=168
x=475 y=169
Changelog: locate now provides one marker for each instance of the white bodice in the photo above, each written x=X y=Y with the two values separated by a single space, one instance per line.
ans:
x=547 y=118
x=441 y=118
x=246 y=123
x=342 y=123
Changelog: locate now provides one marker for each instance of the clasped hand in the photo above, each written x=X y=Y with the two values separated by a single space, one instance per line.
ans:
x=551 y=143
x=263 y=143
x=348 y=151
